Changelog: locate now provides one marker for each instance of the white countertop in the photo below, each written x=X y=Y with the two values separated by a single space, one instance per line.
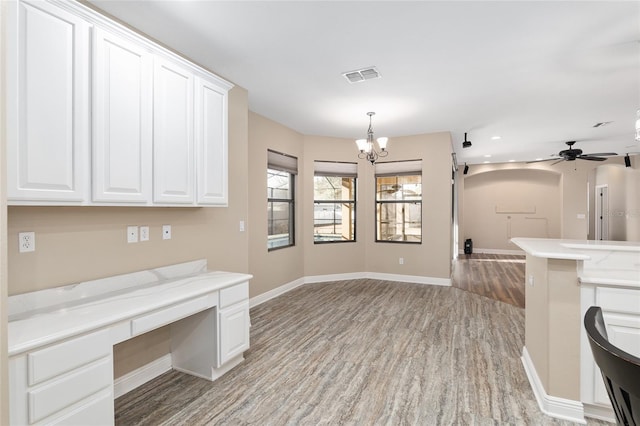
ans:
x=603 y=262
x=46 y=316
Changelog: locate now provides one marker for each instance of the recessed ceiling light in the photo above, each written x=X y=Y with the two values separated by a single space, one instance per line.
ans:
x=487 y=156
x=512 y=161
x=538 y=159
x=487 y=162
x=495 y=138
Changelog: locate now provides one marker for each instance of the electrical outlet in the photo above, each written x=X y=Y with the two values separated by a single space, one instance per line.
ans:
x=144 y=233
x=401 y=260
x=242 y=226
x=132 y=234
x=27 y=241
x=166 y=232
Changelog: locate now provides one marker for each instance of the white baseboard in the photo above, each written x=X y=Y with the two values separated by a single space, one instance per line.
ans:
x=333 y=277
x=495 y=251
x=140 y=376
x=599 y=412
x=312 y=279
x=261 y=298
x=416 y=279
x=560 y=408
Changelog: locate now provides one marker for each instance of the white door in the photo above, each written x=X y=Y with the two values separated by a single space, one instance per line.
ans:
x=234 y=331
x=211 y=142
x=602 y=212
x=173 y=148
x=122 y=105
x=47 y=103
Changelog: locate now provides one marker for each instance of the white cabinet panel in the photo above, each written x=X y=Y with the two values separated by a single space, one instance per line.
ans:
x=47 y=103
x=234 y=331
x=61 y=393
x=122 y=105
x=173 y=147
x=211 y=142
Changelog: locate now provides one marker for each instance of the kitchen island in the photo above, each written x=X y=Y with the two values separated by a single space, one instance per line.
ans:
x=563 y=278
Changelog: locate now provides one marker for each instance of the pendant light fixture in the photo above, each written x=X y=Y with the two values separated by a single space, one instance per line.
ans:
x=367 y=148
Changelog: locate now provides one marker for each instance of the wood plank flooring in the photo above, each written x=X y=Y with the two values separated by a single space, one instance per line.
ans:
x=360 y=352
x=499 y=277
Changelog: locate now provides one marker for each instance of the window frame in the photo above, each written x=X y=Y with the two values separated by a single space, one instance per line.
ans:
x=282 y=163
x=352 y=201
x=379 y=203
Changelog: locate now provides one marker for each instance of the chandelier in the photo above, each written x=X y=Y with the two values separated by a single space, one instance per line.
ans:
x=368 y=149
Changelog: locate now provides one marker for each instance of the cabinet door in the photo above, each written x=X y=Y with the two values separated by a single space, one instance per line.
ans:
x=47 y=104
x=234 y=331
x=211 y=142
x=173 y=148
x=122 y=120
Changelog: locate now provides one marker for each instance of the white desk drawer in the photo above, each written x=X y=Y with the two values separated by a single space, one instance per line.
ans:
x=94 y=412
x=58 y=359
x=169 y=315
x=59 y=394
x=235 y=294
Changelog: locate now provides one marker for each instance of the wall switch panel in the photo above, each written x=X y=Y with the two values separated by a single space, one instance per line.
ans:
x=242 y=226
x=144 y=233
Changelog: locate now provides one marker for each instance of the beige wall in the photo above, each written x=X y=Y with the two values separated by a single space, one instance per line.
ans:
x=429 y=259
x=623 y=184
x=574 y=176
x=432 y=258
x=504 y=204
x=553 y=324
x=341 y=258
x=278 y=267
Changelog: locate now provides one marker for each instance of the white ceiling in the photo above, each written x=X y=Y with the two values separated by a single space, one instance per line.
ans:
x=534 y=73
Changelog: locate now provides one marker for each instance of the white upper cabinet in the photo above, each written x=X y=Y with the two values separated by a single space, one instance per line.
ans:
x=173 y=150
x=211 y=142
x=121 y=160
x=47 y=104
x=99 y=115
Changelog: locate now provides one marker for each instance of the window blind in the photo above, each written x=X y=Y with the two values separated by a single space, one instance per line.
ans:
x=399 y=168
x=282 y=162
x=335 y=168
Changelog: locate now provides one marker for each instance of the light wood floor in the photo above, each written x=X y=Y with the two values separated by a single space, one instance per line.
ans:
x=499 y=277
x=360 y=352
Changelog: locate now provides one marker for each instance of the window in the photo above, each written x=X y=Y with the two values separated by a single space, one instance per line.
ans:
x=334 y=202
x=399 y=202
x=281 y=171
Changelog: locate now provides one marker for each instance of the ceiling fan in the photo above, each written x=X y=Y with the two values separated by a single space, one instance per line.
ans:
x=572 y=154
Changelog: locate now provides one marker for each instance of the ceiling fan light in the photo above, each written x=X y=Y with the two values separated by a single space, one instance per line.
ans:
x=382 y=143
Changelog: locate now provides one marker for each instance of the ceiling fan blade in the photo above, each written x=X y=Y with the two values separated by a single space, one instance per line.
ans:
x=590 y=158
x=600 y=154
x=539 y=161
x=559 y=161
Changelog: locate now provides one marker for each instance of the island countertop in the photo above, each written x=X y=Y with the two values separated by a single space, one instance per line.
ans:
x=605 y=262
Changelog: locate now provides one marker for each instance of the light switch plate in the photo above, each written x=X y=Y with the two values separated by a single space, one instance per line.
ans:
x=144 y=233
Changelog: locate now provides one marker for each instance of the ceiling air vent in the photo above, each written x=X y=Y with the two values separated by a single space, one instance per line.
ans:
x=361 y=75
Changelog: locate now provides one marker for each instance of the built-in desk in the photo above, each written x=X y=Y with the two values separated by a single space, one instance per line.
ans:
x=563 y=279
x=61 y=340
